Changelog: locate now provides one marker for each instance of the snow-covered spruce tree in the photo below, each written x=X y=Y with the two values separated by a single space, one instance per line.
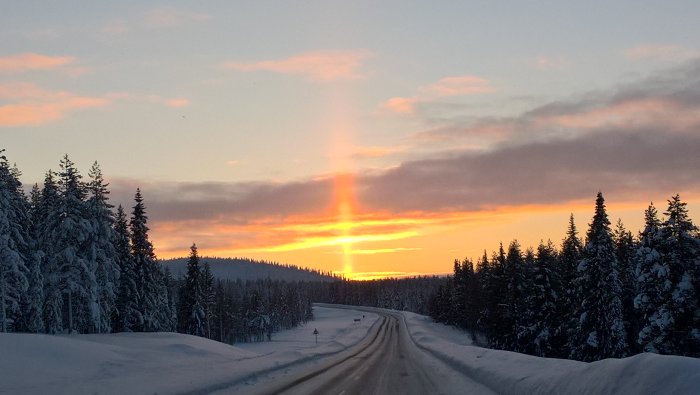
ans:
x=128 y=317
x=48 y=218
x=101 y=252
x=13 y=246
x=525 y=322
x=680 y=251
x=485 y=308
x=33 y=316
x=498 y=324
x=77 y=280
x=570 y=301
x=191 y=311
x=515 y=279
x=150 y=284
x=625 y=248
x=456 y=303
x=654 y=287
x=543 y=300
x=171 y=292
x=472 y=297
x=601 y=331
x=208 y=296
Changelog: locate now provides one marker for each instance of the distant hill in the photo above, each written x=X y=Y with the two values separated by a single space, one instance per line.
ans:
x=248 y=269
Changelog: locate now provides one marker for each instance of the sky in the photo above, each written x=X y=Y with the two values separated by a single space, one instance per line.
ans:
x=364 y=138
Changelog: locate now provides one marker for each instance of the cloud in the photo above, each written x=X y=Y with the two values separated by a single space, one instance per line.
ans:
x=32 y=61
x=458 y=86
x=669 y=100
x=318 y=66
x=446 y=87
x=622 y=164
x=376 y=152
x=660 y=52
x=634 y=142
x=641 y=136
x=177 y=102
x=401 y=105
x=32 y=105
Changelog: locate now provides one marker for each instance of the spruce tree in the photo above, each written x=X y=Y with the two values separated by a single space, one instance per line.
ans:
x=48 y=218
x=543 y=301
x=150 y=284
x=625 y=250
x=208 y=296
x=516 y=274
x=34 y=301
x=499 y=325
x=654 y=287
x=570 y=301
x=128 y=316
x=191 y=310
x=13 y=247
x=680 y=251
x=77 y=280
x=601 y=331
x=102 y=255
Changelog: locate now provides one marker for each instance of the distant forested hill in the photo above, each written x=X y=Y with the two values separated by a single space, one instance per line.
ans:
x=248 y=269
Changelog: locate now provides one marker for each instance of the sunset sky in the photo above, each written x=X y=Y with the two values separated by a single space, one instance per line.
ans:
x=361 y=137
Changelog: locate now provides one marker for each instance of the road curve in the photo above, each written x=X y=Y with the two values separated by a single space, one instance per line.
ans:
x=389 y=362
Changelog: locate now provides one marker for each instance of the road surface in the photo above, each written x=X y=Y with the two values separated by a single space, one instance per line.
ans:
x=387 y=362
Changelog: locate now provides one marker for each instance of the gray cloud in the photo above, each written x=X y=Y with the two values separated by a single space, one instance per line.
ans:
x=238 y=202
x=678 y=88
x=545 y=172
x=571 y=156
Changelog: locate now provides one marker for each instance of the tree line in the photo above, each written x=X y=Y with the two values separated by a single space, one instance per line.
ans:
x=70 y=264
x=238 y=311
x=408 y=294
x=613 y=295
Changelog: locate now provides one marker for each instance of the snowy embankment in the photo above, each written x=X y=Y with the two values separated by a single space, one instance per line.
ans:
x=164 y=363
x=513 y=373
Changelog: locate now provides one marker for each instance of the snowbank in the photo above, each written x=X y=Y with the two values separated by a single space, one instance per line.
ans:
x=512 y=373
x=164 y=363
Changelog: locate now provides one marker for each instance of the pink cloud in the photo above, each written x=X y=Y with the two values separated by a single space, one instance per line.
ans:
x=34 y=106
x=401 y=105
x=32 y=61
x=660 y=51
x=320 y=65
x=177 y=102
x=626 y=114
x=458 y=85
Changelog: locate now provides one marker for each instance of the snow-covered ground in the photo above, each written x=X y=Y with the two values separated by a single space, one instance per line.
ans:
x=164 y=363
x=512 y=373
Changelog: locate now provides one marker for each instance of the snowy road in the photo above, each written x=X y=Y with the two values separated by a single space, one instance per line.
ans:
x=387 y=362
